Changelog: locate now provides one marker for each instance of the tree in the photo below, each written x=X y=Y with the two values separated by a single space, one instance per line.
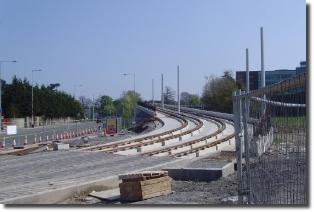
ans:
x=129 y=101
x=195 y=100
x=48 y=103
x=189 y=99
x=53 y=86
x=217 y=92
x=169 y=95
x=106 y=107
x=185 y=98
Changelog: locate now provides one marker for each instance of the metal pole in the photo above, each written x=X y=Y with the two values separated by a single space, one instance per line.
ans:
x=262 y=59
x=238 y=140
x=246 y=148
x=262 y=69
x=134 y=96
x=162 y=91
x=33 y=95
x=153 y=91
x=93 y=108
x=247 y=71
x=32 y=98
x=178 y=89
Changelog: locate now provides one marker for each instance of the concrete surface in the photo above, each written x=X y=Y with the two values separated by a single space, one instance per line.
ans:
x=34 y=174
x=220 y=169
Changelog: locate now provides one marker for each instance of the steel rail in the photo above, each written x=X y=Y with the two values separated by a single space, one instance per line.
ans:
x=221 y=126
x=158 y=140
x=183 y=122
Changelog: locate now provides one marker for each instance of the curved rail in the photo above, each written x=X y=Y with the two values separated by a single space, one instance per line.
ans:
x=205 y=146
x=199 y=148
x=183 y=122
x=221 y=126
x=197 y=121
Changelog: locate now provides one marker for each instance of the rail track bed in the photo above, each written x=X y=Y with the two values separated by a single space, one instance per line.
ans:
x=195 y=135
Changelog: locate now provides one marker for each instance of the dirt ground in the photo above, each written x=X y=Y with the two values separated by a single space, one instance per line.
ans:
x=183 y=192
x=189 y=192
x=186 y=192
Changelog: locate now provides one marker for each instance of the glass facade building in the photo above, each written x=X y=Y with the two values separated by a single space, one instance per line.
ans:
x=271 y=77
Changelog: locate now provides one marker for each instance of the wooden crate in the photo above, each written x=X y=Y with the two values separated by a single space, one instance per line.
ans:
x=140 y=186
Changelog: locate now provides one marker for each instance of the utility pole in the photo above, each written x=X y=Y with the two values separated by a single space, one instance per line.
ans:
x=93 y=108
x=33 y=124
x=178 y=71
x=162 y=91
x=262 y=59
x=262 y=70
x=247 y=71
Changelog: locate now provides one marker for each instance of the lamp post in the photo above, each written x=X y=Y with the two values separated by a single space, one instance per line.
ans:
x=2 y=61
x=37 y=70
x=132 y=74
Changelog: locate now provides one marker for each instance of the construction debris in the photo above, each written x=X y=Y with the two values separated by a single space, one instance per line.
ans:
x=108 y=195
x=144 y=185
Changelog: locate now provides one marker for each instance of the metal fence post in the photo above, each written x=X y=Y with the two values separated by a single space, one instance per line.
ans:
x=238 y=141
x=245 y=117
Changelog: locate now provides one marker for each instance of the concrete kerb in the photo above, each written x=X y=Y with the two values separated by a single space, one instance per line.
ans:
x=58 y=195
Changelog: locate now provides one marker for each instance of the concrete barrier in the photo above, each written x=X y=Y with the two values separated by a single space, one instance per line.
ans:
x=60 y=146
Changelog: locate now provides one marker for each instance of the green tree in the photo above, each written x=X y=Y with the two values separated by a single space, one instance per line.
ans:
x=129 y=101
x=218 y=91
x=195 y=100
x=107 y=107
x=48 y=103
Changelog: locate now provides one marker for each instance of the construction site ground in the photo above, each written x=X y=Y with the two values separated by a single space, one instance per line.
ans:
x=185 y=192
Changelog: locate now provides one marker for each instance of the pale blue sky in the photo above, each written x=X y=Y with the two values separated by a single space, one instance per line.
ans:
x=91 y=42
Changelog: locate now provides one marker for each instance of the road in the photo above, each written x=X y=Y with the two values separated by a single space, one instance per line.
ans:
x=40 y=133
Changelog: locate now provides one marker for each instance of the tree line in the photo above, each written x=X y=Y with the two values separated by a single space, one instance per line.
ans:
x=51 y=103
x=48 y=102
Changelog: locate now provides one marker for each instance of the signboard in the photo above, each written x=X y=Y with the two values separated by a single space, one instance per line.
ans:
x=111 y=126
x=11 y=130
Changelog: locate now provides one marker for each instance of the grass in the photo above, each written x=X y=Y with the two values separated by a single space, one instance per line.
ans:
x=289 y=121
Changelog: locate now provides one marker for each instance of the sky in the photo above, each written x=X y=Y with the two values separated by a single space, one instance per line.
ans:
x=92 y=42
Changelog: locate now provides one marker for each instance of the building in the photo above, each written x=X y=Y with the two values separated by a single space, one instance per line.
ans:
x=302 y=68
x=271 y=77
x=241 y=79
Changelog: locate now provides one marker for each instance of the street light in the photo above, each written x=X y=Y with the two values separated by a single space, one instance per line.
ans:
x=2 y=61
x=37 y=70
x=132 y=74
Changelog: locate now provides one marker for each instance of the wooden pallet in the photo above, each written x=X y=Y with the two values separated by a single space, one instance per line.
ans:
x=145 y=175
x=144 y=185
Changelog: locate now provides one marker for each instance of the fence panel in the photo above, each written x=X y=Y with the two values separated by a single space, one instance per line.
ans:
x=273 y=127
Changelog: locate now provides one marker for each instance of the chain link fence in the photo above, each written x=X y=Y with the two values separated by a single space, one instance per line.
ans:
x=271 y=144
